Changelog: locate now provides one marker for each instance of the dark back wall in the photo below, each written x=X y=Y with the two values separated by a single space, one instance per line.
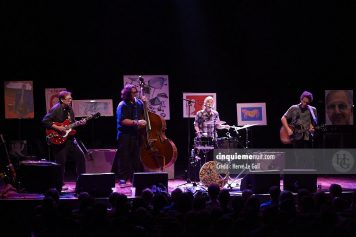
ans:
x=245 y=51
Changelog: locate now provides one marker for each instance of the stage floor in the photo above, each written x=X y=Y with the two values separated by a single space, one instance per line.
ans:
x=348 y=184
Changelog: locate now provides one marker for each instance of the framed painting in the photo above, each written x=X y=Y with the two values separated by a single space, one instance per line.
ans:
x=156 y=90
x=251 y=113
x=85 y=108
x=19 y=100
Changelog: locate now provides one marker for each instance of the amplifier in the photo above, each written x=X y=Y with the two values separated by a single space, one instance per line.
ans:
x=99 y=160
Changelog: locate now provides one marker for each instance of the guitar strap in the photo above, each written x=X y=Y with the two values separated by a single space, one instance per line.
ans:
x=314 y=119
x=68 y=115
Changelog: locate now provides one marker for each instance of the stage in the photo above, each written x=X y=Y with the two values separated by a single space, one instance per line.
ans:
x=323 y=183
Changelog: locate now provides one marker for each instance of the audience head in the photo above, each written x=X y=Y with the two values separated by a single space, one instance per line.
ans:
x=213 y=191
x=335 y=190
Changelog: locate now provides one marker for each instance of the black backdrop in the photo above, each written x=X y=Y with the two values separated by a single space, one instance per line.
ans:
x=245 y=51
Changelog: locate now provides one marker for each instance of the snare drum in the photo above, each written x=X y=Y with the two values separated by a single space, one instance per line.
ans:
x=204 y=142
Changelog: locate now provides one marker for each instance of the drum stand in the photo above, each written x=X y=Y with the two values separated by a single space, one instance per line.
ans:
x=235 y=182
x=193 y=175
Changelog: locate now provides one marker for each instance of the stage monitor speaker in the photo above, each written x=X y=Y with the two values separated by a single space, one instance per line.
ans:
x=260 y=181
x=96 y=184
x=39 y=176
x=293 y=180
x=153 y=180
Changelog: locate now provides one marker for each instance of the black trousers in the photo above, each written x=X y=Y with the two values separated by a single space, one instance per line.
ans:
x=69 y=149
x=127 y=158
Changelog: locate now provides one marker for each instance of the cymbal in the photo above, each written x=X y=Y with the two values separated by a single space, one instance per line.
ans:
x=243 y=127
x=215 y=122
x=223 y=127
x=248 y=125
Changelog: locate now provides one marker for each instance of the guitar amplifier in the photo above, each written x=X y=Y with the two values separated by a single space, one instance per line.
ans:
x=39 y=176
x=99 y=160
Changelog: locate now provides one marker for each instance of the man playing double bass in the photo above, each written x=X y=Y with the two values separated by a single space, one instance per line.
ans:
x=129 y=114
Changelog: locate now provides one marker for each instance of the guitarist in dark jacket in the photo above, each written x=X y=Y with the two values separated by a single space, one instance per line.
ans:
x=59 y=113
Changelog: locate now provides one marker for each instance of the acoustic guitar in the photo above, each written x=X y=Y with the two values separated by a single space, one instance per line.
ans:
x=57 y=137
x=298 y=133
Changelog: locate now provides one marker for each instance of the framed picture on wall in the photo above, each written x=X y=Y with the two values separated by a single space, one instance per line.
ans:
x=193 y=102
x=19 y=100
x=85 y=108
x=156 y=90
x=251 y=113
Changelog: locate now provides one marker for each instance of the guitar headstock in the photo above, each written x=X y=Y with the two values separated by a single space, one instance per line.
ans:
x=96 y=115
x=142 y=81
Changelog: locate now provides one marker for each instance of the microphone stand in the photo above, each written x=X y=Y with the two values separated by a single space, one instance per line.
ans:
x=189 y=104
x=191 y=154
x=193 y=160
x=247 y=141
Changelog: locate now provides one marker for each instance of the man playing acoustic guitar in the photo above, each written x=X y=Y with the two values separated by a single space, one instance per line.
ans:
x=300 y=120
x=299 y=123
x=57 y=119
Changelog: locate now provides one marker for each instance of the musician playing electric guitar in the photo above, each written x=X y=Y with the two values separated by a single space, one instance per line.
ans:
x=56 y=119
x=302 y=120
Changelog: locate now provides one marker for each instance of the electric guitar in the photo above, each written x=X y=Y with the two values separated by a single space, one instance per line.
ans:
x=57 y=137
x=298 y=133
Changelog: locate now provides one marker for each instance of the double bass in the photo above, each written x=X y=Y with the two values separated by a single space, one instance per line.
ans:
x=157 y=151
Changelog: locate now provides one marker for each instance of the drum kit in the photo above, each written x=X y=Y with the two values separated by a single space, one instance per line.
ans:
x=202 y=153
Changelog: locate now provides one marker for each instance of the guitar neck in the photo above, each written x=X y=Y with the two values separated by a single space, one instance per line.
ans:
x=73 y=125
x=77 y=123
